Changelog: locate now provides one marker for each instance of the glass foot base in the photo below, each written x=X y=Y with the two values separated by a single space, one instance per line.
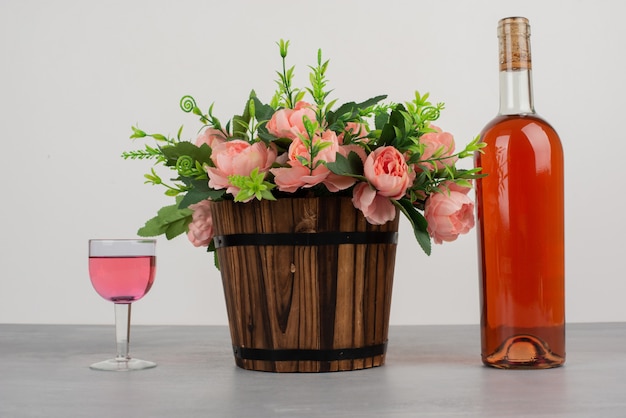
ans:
x=122 y=365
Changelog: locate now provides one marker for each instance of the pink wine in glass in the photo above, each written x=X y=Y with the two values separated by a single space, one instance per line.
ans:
x=122 y=271
x=122 y=279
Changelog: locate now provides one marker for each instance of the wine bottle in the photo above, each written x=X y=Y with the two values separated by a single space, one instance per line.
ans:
x=520 y=211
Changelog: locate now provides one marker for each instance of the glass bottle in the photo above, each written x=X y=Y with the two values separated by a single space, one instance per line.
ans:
x=520 y=208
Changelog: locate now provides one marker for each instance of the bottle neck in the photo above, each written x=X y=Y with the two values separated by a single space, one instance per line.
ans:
x=516 y=92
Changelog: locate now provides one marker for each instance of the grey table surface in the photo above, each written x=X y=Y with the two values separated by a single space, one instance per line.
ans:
x=430 y=371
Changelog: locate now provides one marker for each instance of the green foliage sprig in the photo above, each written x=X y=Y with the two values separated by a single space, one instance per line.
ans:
x=287 y=95
x=253 y=185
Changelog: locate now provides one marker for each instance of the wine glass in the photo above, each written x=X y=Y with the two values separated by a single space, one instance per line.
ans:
x=122 y=271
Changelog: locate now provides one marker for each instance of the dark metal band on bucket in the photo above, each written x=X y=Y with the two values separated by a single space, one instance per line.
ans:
x=310 y=355
x=307 y=239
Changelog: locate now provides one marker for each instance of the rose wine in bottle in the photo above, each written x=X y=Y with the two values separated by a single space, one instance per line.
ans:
x=520 y=221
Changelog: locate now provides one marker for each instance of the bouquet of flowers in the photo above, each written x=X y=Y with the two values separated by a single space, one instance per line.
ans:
x=384 y=156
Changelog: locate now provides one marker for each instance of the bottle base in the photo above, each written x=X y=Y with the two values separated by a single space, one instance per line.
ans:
x=523 y=352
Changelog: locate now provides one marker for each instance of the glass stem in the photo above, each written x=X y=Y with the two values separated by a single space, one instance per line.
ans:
x=122 y=330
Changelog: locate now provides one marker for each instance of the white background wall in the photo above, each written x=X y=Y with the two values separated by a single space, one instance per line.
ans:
x=75 y=75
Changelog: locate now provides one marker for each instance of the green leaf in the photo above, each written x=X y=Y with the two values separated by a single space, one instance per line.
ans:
x=299 y=96
x=263 y=111
x=398 y=120
x=396 y=130
x=387 y=134
x=240 y=126
x=216 y=260
x=351 y=166
x=264 y=135
x=463 y=183
x=200 y=154
x=352 y=107
x=372 y=101
x=203 y=154
x=243 y=195
x=199 y=190
x=418 y=222
x=152 y=228
x=350 y=111
x=266 y=194
x=241 y=122
x=195 y=196
x=170 y=221
x=380 y=120
x=177 y=227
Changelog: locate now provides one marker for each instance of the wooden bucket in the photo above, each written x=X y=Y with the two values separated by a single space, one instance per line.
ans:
x=307 y=283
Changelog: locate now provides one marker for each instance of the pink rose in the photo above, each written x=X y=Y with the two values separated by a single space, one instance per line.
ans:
x=377 y=209
x=449 y=214
x=238 y=157
x=211 y=137
x=297 y=175
x=386 y=169
x=200 y=231
x=437 y=145
x=288 y=123
x=290 y=179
